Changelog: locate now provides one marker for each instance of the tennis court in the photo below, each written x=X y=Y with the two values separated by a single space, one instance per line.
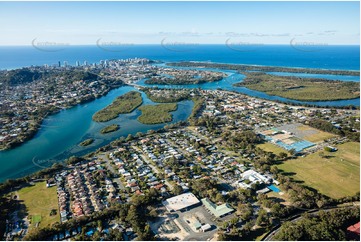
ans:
x=298 y=146
x=286 y=140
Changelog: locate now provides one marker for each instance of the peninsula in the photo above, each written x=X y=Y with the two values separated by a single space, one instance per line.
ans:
x=240 y=67
x=303 y=89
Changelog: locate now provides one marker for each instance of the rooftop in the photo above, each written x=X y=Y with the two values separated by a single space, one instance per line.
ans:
x=181 y=201
x=217 y=211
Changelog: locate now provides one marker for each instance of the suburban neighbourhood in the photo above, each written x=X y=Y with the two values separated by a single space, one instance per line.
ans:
x=223 y=176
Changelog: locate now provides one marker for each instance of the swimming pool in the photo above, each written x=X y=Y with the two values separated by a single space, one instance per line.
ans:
x=274 y=188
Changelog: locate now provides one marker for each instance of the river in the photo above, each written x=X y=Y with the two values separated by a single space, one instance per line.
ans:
x=60 y=134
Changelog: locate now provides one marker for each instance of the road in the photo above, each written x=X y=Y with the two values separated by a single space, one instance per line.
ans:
x=295 y=218
x=149 y=163
x=111 y=169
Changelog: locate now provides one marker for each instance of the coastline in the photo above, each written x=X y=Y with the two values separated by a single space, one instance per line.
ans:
x=265 y=68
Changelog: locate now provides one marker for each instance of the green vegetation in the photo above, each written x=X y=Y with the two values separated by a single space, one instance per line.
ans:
x=240 y=140
x=19 y=76
x=87 y=142
x=197 y=107
x=344 y=131
x=272 y=148
x=335 y=174
x=317 y=136
x=35 y=219
x=322 y=226
x=110 y=128
x=39 y=202
x=304 y=89
x=264 y=68
x=122 y=104
x=26 y=75
x=156 y=114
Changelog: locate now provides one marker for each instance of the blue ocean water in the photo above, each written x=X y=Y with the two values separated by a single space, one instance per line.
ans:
x=325 y=57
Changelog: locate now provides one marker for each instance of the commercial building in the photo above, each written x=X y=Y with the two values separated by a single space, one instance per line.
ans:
x=180 y=202
x=217 y=211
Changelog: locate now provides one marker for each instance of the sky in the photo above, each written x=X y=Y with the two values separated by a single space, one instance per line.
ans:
x=123 y=23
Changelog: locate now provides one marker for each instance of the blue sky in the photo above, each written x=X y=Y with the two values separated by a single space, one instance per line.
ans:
x=78 y=23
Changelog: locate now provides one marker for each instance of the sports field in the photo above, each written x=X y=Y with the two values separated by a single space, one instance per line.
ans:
x=39 y=201
x=306 y=132
x=317 y=136
x=272 y=148
x=336 y=176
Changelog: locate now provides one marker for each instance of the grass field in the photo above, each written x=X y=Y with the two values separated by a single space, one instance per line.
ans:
x=39 y=201
x=336 y=177
x=156 y=114
x=318 y=136
x=272 y=148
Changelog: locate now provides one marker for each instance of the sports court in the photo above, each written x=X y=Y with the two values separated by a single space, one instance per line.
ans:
x=286 y=140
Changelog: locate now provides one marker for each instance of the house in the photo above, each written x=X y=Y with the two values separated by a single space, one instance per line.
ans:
x=353 y=232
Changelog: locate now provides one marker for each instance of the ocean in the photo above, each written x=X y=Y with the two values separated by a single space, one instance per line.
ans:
x=324 y=57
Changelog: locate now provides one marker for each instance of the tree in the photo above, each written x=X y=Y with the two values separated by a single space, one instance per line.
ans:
x=177 y=190
x=262 y=219
x=292 y=152
x=246 y=211
x=282 y=155
x=129 y=137
x=321 y=154
x=274 y=170
x=277 y=210
x=100 y=224
x=146 y=234
x=139 y=134
x=96 y=236
x=153 y=213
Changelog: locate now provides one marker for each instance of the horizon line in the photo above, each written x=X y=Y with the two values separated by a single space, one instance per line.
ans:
x=186 y=44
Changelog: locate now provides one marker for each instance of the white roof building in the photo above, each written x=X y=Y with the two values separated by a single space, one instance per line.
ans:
x=254 y=176
x=180 y=202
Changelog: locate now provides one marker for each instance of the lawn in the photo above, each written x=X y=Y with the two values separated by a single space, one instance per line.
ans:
x=272 y=148
x=318 y=136
x=39 y=201
x=156 y=114
x=337 y=176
